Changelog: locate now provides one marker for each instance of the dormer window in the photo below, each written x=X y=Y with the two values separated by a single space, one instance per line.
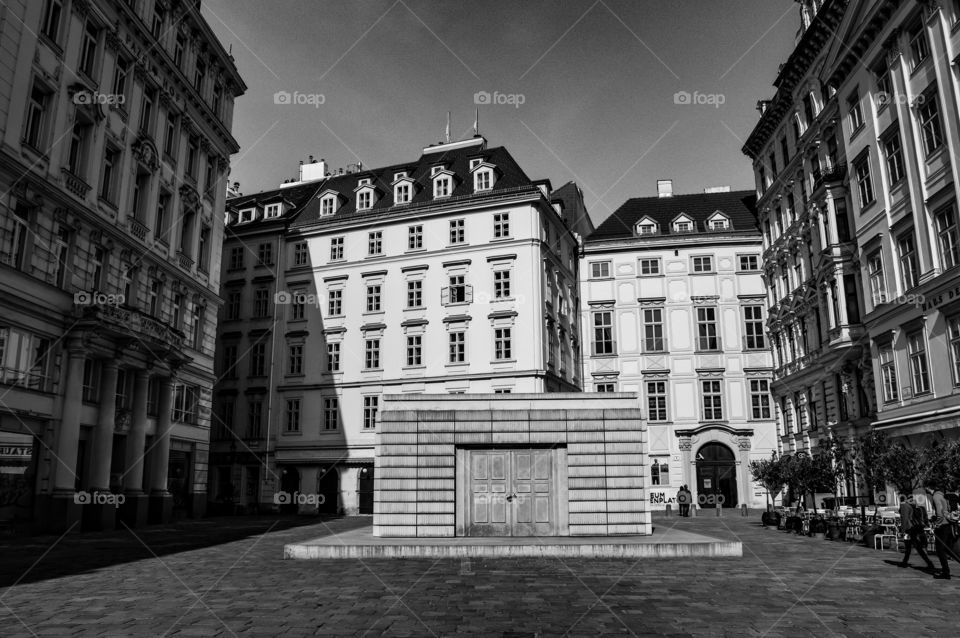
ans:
x=366 y=181
x=365 y=199
x=475 y=163
x=246 y=215
x=483 y=180
x=402 y=193
x=328 y=205
x=683 y=224
x=436 y=169
x=272 y=210
x=719 y=222
x=399 y=176
x=442 y=186
x=647 y=226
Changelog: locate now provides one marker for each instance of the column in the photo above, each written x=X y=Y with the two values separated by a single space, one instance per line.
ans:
x=65 y=465
x=134 y=509
x=99 y=515
x=161 y=501
x=102 y=449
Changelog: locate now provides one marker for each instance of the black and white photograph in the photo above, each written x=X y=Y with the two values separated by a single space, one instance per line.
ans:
x=494 y=318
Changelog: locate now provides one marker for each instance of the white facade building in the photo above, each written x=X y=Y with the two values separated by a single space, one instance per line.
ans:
x=673 y=308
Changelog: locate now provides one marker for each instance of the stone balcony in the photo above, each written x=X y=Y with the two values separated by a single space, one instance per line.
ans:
x=74 y=184
x=138 y=229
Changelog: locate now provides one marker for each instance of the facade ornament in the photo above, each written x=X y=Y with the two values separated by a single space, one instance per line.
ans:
x=685 y=444
x=145 y=152
x=113 y=39
x=743 y=442
x=189 y=196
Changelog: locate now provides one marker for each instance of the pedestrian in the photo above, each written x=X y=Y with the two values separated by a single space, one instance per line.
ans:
x=913 y=520
x=944 y=531
x=683 y=501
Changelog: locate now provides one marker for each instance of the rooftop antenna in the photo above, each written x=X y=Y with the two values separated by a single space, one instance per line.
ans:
x=448 y=127
x=476 y=123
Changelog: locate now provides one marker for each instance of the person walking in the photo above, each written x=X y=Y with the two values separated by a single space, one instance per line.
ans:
x=683 y=499
x=913 y=520
x=943 y=531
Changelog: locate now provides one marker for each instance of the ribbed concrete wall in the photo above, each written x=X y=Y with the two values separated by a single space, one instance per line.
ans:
x=604 y=437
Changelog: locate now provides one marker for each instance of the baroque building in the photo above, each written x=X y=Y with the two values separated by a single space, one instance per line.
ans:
x=115 y=121
x=673 y=308
x=822 y=383
x=451 y=273
x=897 y=90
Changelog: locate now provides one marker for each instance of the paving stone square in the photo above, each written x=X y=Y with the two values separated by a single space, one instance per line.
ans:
x=227 y=576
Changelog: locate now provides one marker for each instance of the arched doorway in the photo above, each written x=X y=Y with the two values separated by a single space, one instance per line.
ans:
x=365 y=490
x=716 y=476
x=328 y=486
x=289 y=483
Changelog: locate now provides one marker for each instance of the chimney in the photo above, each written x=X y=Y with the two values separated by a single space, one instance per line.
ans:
x=665 y=188
x=313 y=170
x=716 y=189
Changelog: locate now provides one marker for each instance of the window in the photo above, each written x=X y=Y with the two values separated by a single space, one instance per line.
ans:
x=878 y=285
x=414 y=350
x=24 y=359
x=749 y=263
x=703 y=264
x=199 y=75
x=707 y=339
x=328 y=205
x=415 y=294
x=605 y=387
x=203 y=249
x=371 y=354
x=653 y=330
x=657 y=400
x=720 y=223
x=646 y=228
x=295 y=359
x=246 y=216
x=271 y=210
x=917 y=349
x=121 y=78
x=458 y=289
x=919 y=47
x=948 y=237
x=61 y=252
x=414 y=237
x=953 y=332
x=258 y=357
x=91 y=374
x=501 y=225
x=228 y=363
x=483 y=180
x=375 y=243
x=331 y=413
x=753 y=328
x=401 y=193
x=52 y=14
x=261 y=303
x=236 y=258
x=760 y=398
x=370 y=407
x=457 y=231
x=712 y=400
x=335 y=302
x=170 y=136
x=659 y=472
x=233 y=305
x=177 y=311
x=185 y=403
x=365 y=200
x=893 y=153
x=600 y=270
x=888 y=374
x=909 y=267
x=773 y=165
x=501 y=284
x=36 y=124
x=861 y=170
x=193 y=155
x=458 y=347
x=88 y=49
x=301 y=255
x=160 y=230
x=502 y=344
x=931 y=130
x=683 y=226
x=441 y=187
x=147 y=101
x=650 y=267
x=856 y=112
x=179 y=48
x=79 y=145
x=336 y=248
x=603 y=343
x=373 y=298
x=333 y=357
x=293 y=415
x=159 y=19
x=254 y=419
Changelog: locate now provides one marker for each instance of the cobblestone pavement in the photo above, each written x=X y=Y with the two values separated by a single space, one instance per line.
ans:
x=222 y=577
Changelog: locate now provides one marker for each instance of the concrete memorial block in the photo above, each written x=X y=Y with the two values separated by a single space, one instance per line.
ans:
x=510 y=465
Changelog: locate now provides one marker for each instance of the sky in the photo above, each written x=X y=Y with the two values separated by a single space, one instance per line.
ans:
x=611 y=94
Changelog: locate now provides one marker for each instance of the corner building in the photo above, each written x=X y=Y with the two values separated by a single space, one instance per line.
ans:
x=673 y=308
x=115 y=121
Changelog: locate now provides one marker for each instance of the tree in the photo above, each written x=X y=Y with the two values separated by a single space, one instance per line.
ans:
x=868 y=453
x=769 y=473
x=837 y=452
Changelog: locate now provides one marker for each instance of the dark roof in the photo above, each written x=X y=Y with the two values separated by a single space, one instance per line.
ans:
x=294 y=196
x=738 y=206
x=509 y=175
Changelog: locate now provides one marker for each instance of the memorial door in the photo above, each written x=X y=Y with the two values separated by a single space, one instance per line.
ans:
x=511 y=493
